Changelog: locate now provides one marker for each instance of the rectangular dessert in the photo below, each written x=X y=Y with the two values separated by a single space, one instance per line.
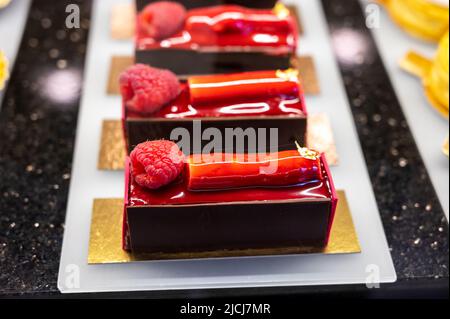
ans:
x=215 y=40
x=231 y=205
x=268 y=105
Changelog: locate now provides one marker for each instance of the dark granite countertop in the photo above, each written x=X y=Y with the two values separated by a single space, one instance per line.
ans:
x=37 y=129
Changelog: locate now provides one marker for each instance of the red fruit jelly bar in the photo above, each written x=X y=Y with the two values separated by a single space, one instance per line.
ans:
x=244 y=86
x=227 y=171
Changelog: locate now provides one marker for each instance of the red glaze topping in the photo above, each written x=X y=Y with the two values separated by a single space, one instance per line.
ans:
x=145 y=89
x=162 y=19
x=271 y=93
x=178 y=193
x=235 y=19
x=250 y=85
x=228 y=171
x=229 y=26
x=156 y=164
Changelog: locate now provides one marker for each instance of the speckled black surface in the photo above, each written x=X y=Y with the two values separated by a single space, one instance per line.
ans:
x=37 y=129
x=413 y=219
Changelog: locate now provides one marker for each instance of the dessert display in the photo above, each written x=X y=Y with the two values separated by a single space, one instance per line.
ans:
x=425 y=19
x=215 y=39
x=155 y=103
x=207 y=194
x=225 y=201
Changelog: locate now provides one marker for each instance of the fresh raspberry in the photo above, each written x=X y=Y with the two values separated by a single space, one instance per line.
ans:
x=156 y=163
x=162 y=19
x=146 y=89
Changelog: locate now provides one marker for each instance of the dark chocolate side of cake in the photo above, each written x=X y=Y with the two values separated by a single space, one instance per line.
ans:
x=192 y=4
x=203 y=228
x=190 y=62
x=290 y=130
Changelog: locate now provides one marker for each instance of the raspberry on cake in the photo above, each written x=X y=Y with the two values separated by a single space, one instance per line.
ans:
x=156 y=164
x=145 y=89
x=161 y=19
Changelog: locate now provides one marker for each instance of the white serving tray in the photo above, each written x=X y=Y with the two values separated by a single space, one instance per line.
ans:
x=87 y=183
x=429 y=128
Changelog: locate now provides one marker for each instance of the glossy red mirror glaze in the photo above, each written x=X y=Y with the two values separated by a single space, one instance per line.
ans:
x=231 y=27
x=249 y=85
x=178 y=193
x=229 y=171
x=264 y=93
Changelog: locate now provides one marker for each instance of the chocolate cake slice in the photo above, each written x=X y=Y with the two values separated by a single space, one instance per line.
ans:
x=225 y=207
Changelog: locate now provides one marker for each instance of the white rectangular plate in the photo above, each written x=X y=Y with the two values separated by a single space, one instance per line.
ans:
x=87 y=183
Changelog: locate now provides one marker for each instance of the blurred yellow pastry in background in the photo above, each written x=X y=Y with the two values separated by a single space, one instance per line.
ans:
x=445 y=147
x=4 y=3
x=4 y=73
x=436 y=82
x=425 y=19
x=433 y=73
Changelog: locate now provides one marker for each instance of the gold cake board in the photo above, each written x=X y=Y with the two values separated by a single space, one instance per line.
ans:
x=304 y=64
x=112 y=145
x=105 y=243
x=123 y=17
